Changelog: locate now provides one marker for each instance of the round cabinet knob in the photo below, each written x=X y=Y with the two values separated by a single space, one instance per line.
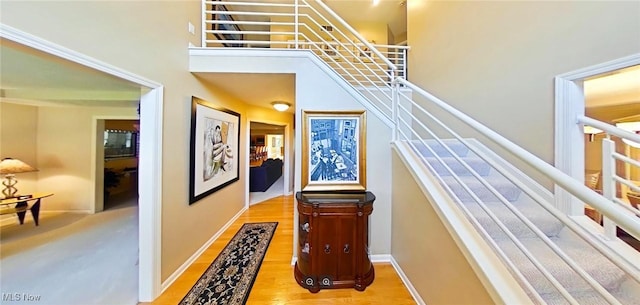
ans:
x=327 y=249
x=346 y=248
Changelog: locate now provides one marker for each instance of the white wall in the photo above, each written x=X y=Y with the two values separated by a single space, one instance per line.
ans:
x=316 y=90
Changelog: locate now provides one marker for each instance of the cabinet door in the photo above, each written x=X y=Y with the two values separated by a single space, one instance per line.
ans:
x=347 y=248
x=326 y=251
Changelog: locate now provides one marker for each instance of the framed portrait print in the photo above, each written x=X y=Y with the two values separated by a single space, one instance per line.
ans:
x=333 y=151
x=215 y=138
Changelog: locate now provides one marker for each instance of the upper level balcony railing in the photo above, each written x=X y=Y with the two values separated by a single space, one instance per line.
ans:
x=308 y=25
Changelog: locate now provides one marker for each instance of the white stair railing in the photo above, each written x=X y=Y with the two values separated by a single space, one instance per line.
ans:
x=378 y=71
x=308 y=25
x=415 y=123
x=610 y=179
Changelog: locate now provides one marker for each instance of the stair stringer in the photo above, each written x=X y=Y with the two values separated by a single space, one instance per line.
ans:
x=498 y=281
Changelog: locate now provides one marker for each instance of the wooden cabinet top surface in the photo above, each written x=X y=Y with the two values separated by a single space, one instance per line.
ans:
x=334 y=197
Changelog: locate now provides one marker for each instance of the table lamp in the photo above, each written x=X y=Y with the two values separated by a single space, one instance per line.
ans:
x=9 y=167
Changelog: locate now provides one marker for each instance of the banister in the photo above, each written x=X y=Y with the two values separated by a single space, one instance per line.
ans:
x=616 y=213
x=355 y=33
x=609 y=129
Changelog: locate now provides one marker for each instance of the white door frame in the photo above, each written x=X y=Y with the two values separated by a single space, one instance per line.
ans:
x=569 y=135
x=287 y=153
x=150 y=162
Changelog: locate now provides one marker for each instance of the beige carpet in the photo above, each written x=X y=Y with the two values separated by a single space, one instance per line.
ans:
x=72 y=259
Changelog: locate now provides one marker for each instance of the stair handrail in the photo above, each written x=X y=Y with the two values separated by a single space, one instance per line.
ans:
x=356 y=34
x=578 y=189
x=610 y=129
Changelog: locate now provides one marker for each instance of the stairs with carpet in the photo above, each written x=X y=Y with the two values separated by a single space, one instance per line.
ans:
x=541 y=290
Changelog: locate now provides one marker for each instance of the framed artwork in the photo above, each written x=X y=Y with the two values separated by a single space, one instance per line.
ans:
x=215 y=138
x=333 y=151
x=222 y=26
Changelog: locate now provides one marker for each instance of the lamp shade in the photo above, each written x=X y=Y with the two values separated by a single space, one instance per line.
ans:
x=14 y=166
x=281 y=106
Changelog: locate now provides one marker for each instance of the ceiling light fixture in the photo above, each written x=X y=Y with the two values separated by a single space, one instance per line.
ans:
x=281 y=106
x=633 y=127
x=376 y=2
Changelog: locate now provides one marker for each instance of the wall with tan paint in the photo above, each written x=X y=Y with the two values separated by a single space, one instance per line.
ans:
x=496 y=60
x=152 y=44
x=424 y=249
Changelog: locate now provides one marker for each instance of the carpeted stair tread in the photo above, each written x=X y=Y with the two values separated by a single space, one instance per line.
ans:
x=454 y=145
x=600 y=268
x=548 y=224
x=501 y=184
x=480 y=166
x=591 y=298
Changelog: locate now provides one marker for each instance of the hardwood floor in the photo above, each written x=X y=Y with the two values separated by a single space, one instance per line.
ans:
x=275 y=284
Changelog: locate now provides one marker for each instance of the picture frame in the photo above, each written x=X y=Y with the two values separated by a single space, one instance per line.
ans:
x=334 y=151
x=225 y=26
x=214 y=149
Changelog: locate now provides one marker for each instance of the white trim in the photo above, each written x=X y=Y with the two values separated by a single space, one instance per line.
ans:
x=380 y=258
x=176 y=274
x=150 y=195
x=150 y=190
x=407 y=283
x=568 y=135
x=46 y=46
x=294 y=259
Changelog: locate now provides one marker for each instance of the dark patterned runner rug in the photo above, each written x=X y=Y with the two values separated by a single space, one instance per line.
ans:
x=229 y=279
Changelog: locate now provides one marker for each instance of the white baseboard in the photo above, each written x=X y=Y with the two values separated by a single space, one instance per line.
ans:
x=380 y=258
x=175 y=275
x=407 y=282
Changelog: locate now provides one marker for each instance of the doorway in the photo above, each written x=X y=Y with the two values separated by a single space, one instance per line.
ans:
x=149 y=226
x=121 y=150
x=569 y=135
x=267 y=161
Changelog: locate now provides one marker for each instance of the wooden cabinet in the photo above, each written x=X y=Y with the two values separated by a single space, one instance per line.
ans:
x=333 y=240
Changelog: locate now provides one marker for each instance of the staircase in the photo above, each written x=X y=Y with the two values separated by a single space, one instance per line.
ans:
x=616 y=282
x=553 y=258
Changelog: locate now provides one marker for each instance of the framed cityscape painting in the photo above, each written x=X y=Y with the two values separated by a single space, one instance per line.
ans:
x=333 y=151
x=215 y=138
